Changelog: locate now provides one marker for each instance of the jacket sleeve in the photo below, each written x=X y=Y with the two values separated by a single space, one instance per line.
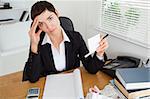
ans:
x=32 y=69
x=91 y=64
x=33 y=66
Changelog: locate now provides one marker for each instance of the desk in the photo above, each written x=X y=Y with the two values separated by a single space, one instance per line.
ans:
x=11 y=86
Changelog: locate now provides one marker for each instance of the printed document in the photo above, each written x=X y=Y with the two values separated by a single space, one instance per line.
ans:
x=93 y=44
x=64 y=86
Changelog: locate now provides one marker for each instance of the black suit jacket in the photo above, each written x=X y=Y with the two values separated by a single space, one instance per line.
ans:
x=42 y=64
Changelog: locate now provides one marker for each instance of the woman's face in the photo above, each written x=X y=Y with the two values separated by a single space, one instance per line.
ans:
x=48 y=21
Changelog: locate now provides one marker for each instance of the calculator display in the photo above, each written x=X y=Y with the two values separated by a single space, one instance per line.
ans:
x=33 y=92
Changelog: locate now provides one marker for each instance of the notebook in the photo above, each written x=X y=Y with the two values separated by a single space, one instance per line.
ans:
x=134 y=78
x=64 y=86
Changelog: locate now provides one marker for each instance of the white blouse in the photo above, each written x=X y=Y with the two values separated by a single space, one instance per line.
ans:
x=58 y=54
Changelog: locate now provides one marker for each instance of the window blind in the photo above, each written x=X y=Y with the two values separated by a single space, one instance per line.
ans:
x=127 y=19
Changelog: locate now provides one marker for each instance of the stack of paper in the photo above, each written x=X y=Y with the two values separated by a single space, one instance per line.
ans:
x=64 y=86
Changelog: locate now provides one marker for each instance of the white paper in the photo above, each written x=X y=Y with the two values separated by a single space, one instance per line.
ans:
x=93 y=44
x=64 y=86
x=78 y=84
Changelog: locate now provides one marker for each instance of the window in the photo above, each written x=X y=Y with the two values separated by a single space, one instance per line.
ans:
x=127 y=19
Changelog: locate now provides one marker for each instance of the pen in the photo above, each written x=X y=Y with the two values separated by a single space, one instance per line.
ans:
x=147 y=61
x=105 y=36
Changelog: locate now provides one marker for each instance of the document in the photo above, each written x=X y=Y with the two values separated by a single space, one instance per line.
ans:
x=93 y=44
x=64 y=86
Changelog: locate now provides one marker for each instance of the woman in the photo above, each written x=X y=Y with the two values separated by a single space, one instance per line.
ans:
x=54 y=49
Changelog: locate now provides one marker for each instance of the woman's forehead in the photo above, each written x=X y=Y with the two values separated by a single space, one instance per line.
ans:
x=44 y=15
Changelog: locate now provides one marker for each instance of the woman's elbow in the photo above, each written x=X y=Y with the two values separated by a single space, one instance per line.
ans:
x=33 y=79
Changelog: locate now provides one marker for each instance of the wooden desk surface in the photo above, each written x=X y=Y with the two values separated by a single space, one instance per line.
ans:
x=11 y=86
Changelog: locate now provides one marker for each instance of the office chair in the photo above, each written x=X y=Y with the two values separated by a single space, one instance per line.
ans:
x=66 y=23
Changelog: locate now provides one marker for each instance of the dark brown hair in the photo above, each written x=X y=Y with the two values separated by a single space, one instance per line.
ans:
x=40 y=7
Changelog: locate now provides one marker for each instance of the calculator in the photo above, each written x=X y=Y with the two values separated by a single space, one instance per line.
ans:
x=33 y=93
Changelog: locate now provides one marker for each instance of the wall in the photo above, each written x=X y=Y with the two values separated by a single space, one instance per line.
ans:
x=74 y=9
x=14 y=40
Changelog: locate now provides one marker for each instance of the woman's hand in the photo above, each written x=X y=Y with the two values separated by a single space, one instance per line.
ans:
x=103 y=45
x=34 y=36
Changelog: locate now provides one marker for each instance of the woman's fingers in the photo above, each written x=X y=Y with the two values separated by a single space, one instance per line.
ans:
x=34 y=25
x=103 y=42
x=34 y=37
x=33 y=28
x=39 y=32
x=102 y=46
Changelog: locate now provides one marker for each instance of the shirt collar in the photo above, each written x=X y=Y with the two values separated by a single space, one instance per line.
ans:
x=48 y=40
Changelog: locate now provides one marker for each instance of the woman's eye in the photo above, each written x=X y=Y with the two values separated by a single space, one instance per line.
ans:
x=50 y=18
x=41 y=24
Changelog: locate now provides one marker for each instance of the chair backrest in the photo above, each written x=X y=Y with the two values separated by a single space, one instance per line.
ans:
x=66 y=23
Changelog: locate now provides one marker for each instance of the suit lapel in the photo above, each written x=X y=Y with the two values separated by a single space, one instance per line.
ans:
x=48 y=57
x=67 y=54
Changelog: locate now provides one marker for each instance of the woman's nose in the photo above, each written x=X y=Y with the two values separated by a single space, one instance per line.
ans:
x=48 y=25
